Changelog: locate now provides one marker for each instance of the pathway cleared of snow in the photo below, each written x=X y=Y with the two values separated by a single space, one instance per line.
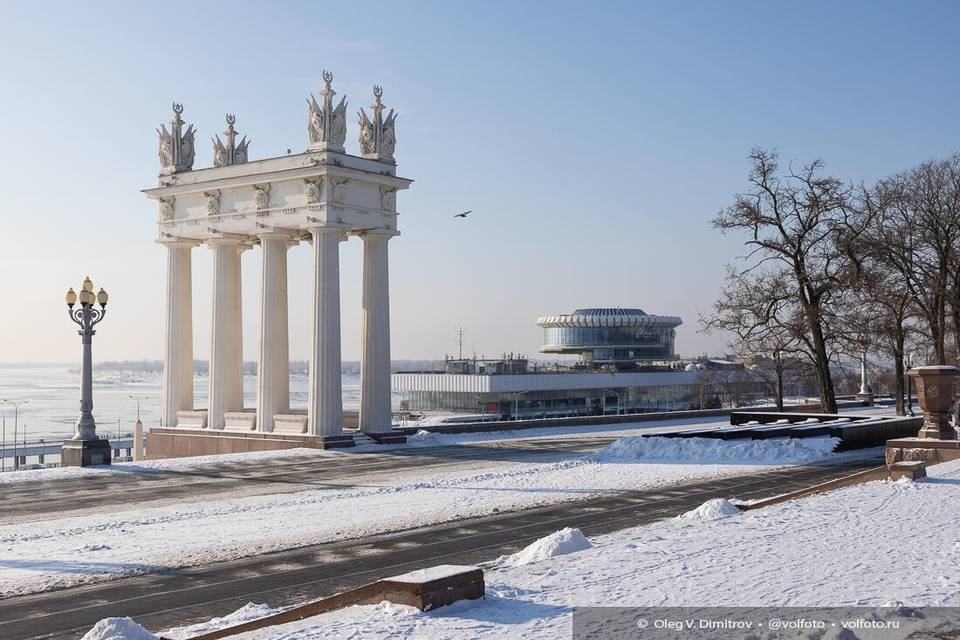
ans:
x=66 y=551
x=878 y=544
x=420 y=439
x=423 y=439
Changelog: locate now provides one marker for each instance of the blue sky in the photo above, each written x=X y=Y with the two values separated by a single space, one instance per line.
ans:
x=594 y=141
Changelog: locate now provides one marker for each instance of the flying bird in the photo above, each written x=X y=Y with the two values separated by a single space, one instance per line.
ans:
x=462 y=215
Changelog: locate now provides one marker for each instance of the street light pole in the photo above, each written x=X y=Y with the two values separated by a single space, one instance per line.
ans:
x=138 y=400
x=617 y=394
x=86 y=448
x=516 y=403
x=16 y=417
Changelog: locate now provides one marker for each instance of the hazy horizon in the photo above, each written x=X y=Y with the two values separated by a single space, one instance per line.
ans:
x=592 y=142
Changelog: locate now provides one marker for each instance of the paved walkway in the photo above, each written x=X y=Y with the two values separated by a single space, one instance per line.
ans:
x=185 y=596
x=32 y=501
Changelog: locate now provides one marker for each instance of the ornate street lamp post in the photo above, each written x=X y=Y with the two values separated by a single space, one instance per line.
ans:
x=86 y=448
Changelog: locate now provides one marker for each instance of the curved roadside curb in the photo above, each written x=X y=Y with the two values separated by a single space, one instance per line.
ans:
x=896 y=471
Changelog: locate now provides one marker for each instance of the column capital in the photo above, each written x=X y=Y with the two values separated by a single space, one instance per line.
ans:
x=288 y=239
x=228 y=239
x=328 y=227
x=378 y=233
x=279 y=232
x=172 y=241
x=241 y=242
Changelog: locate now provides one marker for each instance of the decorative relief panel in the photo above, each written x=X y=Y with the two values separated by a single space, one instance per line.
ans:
x=212 y=203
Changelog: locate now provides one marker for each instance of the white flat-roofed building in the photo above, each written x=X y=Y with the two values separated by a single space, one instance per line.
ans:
x=548 y=393
x=627 y=364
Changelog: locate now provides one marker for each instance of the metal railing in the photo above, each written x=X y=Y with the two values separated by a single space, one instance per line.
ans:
x=39 y=449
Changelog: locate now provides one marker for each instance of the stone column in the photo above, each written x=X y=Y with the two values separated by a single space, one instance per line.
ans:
x=273 y=367
x=325 y=403
x=178 y=338
x=864 y=384
x=865 y=394
x=226 y=345
x=375 y=409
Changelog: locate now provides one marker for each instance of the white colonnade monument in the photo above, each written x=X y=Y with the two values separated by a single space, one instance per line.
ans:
x=321 y=196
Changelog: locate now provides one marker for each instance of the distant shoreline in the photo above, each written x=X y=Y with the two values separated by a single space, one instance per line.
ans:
x=202 y=367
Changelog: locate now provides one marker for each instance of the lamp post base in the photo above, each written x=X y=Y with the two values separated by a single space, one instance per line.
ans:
x=85 y=453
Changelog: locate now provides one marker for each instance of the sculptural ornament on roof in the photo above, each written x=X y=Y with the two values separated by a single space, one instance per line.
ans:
x=378 y=136
x=177 y=147
x=326 y=124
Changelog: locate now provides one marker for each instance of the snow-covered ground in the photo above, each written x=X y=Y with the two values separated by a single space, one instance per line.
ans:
x=76 y=549
x=422 y=439
x=878 y=544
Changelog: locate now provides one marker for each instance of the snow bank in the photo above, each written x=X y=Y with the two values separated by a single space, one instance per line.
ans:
x=559 y=543
x=246 y=613
x=716 y=451
x=118 y=629
x=712 y=510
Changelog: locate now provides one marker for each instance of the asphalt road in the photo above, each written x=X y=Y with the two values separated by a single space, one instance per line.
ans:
x=160 y=601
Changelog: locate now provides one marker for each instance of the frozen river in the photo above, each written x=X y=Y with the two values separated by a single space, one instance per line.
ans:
x=49 y=397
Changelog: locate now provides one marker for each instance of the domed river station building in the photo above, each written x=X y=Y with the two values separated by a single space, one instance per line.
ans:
x=322 y=196
x=623 y=337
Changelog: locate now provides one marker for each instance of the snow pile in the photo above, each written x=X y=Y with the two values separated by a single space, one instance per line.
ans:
x=246 y=613
x=716 y=451
x=559 y=543
x=711 y=510
x=390 y=609
x=118 y=629
x=423 y=437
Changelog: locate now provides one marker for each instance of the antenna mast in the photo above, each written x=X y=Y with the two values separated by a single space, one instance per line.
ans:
x=460 y=333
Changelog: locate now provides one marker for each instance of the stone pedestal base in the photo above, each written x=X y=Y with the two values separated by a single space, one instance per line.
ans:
x=929 y=450
x=85 y=453
x=386 y=437
x=938 y=428
x=180 y=442
x=865 y=398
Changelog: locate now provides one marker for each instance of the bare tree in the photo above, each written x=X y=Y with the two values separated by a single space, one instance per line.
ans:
x=801 y=231
x=756 y=312
x=879 y=317
x=916 y=230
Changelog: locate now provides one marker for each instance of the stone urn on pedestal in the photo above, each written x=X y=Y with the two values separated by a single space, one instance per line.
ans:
x=936 y=386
